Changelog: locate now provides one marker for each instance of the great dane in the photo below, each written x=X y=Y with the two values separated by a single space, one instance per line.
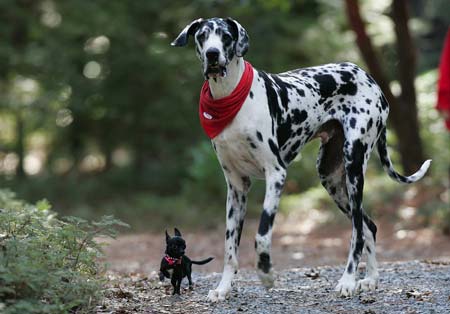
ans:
x=339 y=103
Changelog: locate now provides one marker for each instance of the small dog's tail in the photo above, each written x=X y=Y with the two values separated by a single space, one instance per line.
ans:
x=389 y=168
x=202 y=262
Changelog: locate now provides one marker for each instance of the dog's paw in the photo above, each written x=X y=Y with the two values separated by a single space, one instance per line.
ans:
x=267 y=279
x=217 y=295
x=367 y=284
x=346 y=287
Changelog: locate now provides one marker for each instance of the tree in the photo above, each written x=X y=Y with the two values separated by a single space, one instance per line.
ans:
x=403 y=108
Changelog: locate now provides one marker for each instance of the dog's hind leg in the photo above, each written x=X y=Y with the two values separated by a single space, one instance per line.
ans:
x=370 y=281
x=330 y=165
x=238 y=187
x=356 y=155
x=275 y=179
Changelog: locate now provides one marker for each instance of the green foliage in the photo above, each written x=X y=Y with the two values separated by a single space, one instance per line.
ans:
x=48 y=265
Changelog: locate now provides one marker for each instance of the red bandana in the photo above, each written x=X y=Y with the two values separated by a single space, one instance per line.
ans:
x=216 y=114
x=172 y=260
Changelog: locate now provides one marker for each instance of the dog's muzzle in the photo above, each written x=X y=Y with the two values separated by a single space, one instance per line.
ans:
x=213 y=68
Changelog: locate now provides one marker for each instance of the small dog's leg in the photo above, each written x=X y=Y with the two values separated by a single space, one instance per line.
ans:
x=274 y=185
x=174 y=282
x=236 y=208
x=191 y=285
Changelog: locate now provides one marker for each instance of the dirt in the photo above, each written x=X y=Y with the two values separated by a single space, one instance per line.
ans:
x=304 y=247
x=294 y=245
x=405 y=287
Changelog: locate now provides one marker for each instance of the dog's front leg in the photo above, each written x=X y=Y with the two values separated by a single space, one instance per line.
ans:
x=238 y=187
x=274 y=185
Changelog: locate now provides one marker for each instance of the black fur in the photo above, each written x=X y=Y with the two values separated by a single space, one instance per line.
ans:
x=182 y=267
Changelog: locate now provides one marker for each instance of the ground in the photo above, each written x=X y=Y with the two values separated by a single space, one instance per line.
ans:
x=405 y=287
x=414 y=270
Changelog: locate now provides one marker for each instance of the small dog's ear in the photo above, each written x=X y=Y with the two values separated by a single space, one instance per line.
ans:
x=167 y=237
x=240 y=35
x=183 y=37
x=177 y=232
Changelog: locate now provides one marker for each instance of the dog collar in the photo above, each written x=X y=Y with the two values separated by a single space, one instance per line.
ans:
x=172 y=260
x=216 y=114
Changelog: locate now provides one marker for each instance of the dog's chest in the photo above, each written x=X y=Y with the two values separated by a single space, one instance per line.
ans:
x=236 y=146
x=233 y=148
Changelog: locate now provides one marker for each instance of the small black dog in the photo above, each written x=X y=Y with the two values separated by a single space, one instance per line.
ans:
x=175 y=265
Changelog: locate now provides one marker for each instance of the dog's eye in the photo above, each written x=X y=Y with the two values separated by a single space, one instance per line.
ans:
x=201 y=37
x=227 y=39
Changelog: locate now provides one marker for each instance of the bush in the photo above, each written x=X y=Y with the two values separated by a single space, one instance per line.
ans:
x=48 y=265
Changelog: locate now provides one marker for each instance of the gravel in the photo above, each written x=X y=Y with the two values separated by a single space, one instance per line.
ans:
x=405 y=287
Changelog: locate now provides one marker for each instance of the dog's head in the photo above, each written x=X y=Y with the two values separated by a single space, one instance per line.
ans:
x=217 y=42
x=175 y=246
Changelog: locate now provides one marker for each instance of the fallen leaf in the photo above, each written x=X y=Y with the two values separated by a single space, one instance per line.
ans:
x=313 y=274
x=419 y=296
x=366 y=299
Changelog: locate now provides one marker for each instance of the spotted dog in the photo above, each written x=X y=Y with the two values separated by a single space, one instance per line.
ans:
x=339 y=103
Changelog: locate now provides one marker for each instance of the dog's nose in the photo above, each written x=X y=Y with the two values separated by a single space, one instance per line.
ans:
x=212 y=54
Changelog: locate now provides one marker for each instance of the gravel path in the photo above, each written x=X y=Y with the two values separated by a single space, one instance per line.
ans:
x=405 y=287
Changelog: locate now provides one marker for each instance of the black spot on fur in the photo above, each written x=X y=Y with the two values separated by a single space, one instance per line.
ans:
x=384 y=103
x=352 y=123
x=299 y=116
x=372 y=226
x=350 y=268
x=241 y=226
x=259 y=136
x=265 y=223
x=348 y=88
x=284 y=131
x=345 y=109
x=249 y=140
x=264 y=262
x=230 y=212
x=369 y=124
x=327 y=84
x=251 y=94
x=346 y=76
x=275 y=151
x=301 y=92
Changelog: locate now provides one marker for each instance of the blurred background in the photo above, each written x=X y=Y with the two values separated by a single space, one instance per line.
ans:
x=98 y=113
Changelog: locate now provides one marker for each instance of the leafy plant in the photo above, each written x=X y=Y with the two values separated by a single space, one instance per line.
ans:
x=48 y=265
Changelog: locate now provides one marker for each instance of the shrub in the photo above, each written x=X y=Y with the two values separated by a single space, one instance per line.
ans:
x=48 y=265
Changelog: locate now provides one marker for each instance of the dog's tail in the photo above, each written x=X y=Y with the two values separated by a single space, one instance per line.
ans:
x=202 y=262
x=389 y=168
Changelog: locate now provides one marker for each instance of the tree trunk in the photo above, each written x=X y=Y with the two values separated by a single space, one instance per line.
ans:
x=411 y=145
x=20 y=144
x=403 y=110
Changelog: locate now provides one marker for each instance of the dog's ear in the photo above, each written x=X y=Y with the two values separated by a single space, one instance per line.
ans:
x=183 y=37
x=240 y=35
x=167 y=237
x=177 y=232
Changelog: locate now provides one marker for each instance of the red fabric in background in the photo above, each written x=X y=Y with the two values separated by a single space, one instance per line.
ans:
x=216 y=114
x=443 y=103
